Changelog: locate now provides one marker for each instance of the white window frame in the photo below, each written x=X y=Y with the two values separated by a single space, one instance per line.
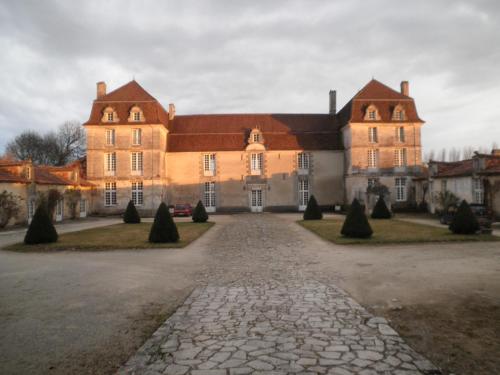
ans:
x=372 y=182
x=478 y=190
x=372 y=114
x=110 y=116
x=256 y=163
x=138 y=193
x=110 y=137
x=303 y=162
x=209 y=196
x=209 y=164
x=400 y=134
x=373 y=158
x=256 y=137
x=373 y=134
x=304 y=193
x=59 y=211
x=136 y=116
x=110 y=163
x=136 y=137
x=400 y=159
x=83 y=207
x=31 y=209
x=110 y=194
x=401 y=193
x=256 y=200
x=136 y=163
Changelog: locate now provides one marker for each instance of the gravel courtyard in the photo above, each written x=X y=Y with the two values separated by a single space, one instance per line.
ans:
x=88 y=312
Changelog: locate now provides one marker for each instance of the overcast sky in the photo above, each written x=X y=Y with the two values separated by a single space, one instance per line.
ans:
x=253 y=56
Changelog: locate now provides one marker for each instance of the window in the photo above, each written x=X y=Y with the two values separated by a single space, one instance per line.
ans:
x=372 y=135
x=372 y=114
x=209 y=194
x=400 y=134
x=256 y=137
x=372 y=158
x=110 y=137
x=137 y=116
x=372 y=182
x=209 y=164
x=83 y=206
x=137 y=193
x=28 y=173
x=256 y=163
x=136 y=163
x=303 y=193
x=136 y=137
x=478 y=191
x=110 y=193
x=401 y=189
x=444 y=185
x=110 y=116
x=399 y=115
x=303 y=160
x=110 y=163
x=400 y=157
x=31 y=209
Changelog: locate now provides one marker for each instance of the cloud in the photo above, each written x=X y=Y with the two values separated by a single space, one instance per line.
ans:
x=259 y=56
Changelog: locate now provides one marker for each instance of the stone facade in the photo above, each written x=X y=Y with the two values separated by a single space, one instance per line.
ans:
x=254 y=162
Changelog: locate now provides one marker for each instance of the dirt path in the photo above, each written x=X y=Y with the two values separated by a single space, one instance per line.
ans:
x=86 y=313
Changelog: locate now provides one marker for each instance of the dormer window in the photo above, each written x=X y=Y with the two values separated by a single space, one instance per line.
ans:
x=256 y=136
x=398 y=114
x=371 y=113
x=109 y=115
x=136 y=114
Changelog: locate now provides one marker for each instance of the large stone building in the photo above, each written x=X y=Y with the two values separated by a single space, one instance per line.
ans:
x=250 y=162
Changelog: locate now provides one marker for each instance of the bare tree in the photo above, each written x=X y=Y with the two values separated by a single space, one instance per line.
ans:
x=442 y=155
x=53 y=148
x=454 y=154
x=468 y=152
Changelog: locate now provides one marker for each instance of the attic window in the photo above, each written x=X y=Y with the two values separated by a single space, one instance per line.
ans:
x=398 y=114
x=256 y=136
x=136 y=114
x=371 y=113
x=109 y=115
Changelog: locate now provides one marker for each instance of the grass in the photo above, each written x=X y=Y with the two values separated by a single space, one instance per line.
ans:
x=118 y=236
x=390 y=232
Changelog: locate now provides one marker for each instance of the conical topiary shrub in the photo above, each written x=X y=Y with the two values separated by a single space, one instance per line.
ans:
x=163 y=228
x=380 y=211
x=41 y=229
x=200 y=214
x=464 y=221
x=131 y=215
x=312 y=211
x=356 y=224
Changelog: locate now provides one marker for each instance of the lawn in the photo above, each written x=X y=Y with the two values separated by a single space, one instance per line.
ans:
x=390 y=232
x=118 y=236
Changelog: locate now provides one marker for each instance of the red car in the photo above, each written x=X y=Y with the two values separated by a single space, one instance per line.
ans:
x=183 y=210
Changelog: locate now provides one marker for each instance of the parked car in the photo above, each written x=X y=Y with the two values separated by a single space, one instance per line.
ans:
x=183 y=210
x=483 y=215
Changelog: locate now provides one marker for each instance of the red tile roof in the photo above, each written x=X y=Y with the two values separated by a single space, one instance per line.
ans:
x=384 y=98
x=454 y=169
x=7 y=176
x=227 y=132
x=122 y=100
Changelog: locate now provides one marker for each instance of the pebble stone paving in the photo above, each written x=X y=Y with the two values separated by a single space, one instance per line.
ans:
x=275 y=328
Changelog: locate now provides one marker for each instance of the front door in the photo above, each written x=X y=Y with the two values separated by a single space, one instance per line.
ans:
x=256 y=200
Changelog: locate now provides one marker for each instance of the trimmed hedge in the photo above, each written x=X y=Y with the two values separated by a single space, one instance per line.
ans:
x=464 y=221
x=163 y=228
x=131 y=215
x=380 y=211
x=200 y=214
x=312 y=212
x=356 y=224
x=41 y=229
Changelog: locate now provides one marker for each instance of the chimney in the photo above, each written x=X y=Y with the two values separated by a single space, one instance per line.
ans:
x=101 y=89
x=171 y=111
x=333 y=102
x=405 y=88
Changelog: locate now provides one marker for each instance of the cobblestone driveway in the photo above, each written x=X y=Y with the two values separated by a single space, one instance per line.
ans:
x=266 y=322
